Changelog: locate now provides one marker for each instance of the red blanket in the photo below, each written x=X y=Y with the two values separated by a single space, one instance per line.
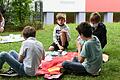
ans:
x=53 y=66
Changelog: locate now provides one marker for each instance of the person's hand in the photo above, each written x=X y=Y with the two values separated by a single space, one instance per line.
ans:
x=63 y=30
x=60 y=47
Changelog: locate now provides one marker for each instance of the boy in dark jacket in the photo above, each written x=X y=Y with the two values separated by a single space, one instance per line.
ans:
x=99 y=29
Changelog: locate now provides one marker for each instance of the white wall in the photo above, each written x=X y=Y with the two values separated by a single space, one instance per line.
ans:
x=63 y=5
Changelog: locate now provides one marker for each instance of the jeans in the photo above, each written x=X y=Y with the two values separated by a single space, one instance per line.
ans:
x=75 y=66
x=12 y=59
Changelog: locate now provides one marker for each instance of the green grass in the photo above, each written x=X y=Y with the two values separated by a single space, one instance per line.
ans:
x=110 y=70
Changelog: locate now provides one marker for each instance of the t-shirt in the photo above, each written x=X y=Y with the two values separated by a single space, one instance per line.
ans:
x=34 y=52
x=56 y=33
x=93 y=55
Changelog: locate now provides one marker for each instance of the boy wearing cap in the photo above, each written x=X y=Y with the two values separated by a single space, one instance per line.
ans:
x=61 y=35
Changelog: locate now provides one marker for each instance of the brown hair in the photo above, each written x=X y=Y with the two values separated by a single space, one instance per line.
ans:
x=85 y=29
x=95 y=17
x=28 y=31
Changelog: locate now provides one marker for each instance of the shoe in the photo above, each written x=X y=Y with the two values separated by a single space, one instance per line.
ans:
x=105 y=58
x=98 y=73
x=9 y=73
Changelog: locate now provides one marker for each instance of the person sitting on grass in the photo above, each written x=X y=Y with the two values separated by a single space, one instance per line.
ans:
x=89 y=60
x=30 y=55
x=99 y=29
x=61 y=35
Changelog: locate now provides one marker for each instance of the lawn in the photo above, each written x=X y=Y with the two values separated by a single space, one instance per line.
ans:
x=110 y=70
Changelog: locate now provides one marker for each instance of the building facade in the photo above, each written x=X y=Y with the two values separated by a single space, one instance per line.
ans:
x=79 y=8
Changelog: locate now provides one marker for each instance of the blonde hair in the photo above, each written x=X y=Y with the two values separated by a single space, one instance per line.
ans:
x=61 y=15
x=95 y=17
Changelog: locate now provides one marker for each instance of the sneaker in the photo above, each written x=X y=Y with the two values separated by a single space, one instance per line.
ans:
x=98 y=73
x=10 y=72
x=105 y=57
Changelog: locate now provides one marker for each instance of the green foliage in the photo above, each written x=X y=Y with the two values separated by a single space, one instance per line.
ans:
x=20 y=12
x=16 y=12
x=3 y=5
x=110 y=70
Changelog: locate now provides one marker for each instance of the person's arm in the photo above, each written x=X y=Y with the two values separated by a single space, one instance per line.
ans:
x=68 y=33
x=81 y=59
x=54 y=36
x=83 y=54
x=79 y=44
x=21 y=58
x=1 y=29
x=60 y=47
x=103 y=37
x=79 y=47
x=3 y=22
x=2 y=25
x=101 y=33
x=43 y=57
x=22 y=53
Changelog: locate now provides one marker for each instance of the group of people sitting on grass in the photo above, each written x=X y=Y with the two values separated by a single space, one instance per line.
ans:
x=90 y=42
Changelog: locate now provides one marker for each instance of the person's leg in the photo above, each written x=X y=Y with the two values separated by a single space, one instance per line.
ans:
x=17 y=66
x=66 y=44
x=53 y=47
x=75 y=59
x=74 y=67
x=14 y=54
x=63 y=38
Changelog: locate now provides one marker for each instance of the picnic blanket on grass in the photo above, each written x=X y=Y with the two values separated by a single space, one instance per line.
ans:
x=11 y=38
x=51 y=69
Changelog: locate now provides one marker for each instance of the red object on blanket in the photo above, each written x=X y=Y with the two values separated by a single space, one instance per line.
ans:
x=53 y=66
